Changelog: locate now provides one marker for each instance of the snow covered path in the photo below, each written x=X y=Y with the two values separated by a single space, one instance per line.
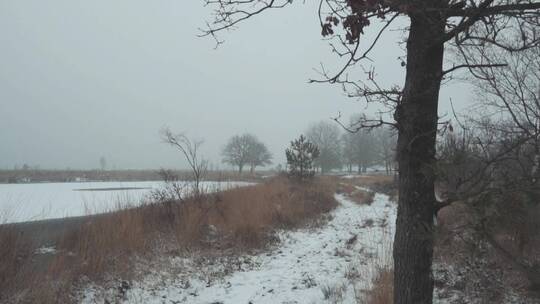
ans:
x=329 y=264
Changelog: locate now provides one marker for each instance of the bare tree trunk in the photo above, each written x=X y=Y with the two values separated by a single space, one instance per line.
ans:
x=417 y=122
x=240 y=167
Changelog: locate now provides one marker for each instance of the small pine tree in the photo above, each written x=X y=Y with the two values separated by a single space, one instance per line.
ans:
x=300 y=157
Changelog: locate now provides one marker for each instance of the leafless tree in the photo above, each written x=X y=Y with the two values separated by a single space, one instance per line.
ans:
x=360 y=147
x=174 y=190
x=513 y=92
x=487 y=166
x=466 y=26
x=236 y=152
x=103 y=163
x=386 y=144
x=492 y=164
x=259 y=156
x=246 y=149
x=365 y=146
x=508 y=126
x=348 y=151
x=326 y=136
x=190 y=150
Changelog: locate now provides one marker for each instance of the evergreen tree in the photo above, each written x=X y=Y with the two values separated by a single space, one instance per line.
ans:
x=300 y=157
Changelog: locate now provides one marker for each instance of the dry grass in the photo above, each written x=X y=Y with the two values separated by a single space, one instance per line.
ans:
x=14 y=253
x=355 y=188
x=382 y=290
x=223 y=222
x=377 y=183
x=249 y=213
x=345 y=187
x=362 y=197
x=374 y=284
x=369 y=180
x=22 y=280
x=487 y=263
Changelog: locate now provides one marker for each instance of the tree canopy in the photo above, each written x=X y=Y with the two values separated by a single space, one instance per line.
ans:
x=246 y=149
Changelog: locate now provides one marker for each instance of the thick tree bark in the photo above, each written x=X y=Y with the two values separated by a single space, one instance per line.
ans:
x=417 y=123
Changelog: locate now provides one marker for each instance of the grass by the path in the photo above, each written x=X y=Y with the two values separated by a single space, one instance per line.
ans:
x=233 y=220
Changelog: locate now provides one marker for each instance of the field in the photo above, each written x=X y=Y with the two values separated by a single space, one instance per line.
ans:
x=280 y=241
x=40 y=201
x=62 y=176
x=97 y=248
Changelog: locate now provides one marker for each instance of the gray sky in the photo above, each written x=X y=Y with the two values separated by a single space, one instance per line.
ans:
x=82 y=79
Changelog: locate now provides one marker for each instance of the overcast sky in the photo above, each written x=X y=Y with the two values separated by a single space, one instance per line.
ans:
x=85 y=79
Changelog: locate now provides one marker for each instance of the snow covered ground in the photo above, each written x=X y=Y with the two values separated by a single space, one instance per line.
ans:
x=328 y=264
x=29 y=202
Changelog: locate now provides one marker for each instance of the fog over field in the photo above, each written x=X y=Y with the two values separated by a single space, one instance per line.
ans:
x=80 y=80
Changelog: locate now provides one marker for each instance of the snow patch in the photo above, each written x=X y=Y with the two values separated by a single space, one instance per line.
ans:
x=46 y=250
x=31 y=202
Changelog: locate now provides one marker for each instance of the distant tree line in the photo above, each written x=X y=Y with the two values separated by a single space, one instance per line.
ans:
x=337 y=148
x=351 y=148
x=330 y=147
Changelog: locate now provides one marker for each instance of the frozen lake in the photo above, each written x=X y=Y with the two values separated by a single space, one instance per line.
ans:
x=30 y=202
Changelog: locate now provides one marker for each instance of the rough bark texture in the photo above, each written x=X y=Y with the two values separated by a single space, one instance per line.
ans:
x=417 y=121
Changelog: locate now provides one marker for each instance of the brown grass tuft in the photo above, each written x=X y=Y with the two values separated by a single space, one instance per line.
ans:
x=362 y=197
x=378 y=183
x=15 y=251
x=382 y=290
